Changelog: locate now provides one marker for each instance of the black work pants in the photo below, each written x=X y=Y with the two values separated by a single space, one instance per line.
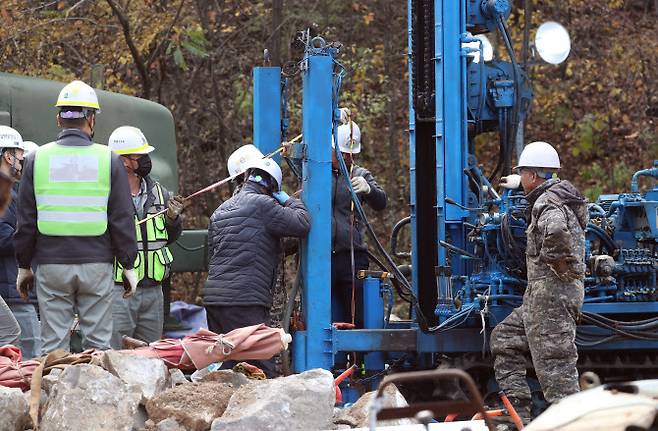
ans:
x=223 y=319
x=341 y=286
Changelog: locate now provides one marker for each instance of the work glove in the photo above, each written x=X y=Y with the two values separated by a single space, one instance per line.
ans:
x=175 y=207
x=511 y=182
x=281 y=196
x=360 y=186
x=24 y=282
x=129 y=282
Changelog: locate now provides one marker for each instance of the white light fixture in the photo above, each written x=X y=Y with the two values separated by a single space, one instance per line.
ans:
x=552 y=42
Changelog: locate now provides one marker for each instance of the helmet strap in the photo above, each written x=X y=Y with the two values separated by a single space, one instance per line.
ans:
x=88 y=116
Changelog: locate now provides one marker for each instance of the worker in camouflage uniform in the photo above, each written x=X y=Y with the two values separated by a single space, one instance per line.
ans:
x=545 y=324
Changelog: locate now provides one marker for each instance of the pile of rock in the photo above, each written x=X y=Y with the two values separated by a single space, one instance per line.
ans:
x=135 y=393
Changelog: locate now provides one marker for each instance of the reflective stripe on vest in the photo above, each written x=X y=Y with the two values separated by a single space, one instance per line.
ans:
x=72 y=187
x=158 y=257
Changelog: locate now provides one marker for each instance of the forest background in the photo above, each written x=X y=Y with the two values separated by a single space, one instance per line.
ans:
x=599 y=108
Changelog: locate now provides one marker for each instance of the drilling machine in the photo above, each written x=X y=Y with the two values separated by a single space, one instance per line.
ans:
x=467 y=240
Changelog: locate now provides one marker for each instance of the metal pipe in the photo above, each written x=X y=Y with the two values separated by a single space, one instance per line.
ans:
x=652 y=172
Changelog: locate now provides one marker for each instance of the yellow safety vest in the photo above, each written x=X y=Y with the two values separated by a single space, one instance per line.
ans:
x=153 y=256
x=72 y=188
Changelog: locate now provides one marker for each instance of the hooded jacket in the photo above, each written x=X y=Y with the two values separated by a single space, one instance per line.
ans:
x=341 y=223
x=244 y=246
x=558 y=218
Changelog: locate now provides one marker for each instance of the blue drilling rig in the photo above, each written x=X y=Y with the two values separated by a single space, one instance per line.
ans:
x=467 y=252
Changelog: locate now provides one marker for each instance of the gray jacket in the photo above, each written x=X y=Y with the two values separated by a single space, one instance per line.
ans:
x=244 y=246
x=118 y=240
x=341 y=222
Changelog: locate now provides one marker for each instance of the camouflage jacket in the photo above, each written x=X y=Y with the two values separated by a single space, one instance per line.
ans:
x=556 y=232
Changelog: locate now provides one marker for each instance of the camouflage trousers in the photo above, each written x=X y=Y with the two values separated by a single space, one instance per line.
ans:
x=545 y=327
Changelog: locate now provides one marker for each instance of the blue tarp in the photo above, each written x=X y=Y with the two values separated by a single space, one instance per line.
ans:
x=192 y=317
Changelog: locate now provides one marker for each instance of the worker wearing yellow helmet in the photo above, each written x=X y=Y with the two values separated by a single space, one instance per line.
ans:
x=75 y=216
x=141 y=316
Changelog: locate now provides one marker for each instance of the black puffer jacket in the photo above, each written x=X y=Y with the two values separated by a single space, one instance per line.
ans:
x=341 y=223
x=244 y=246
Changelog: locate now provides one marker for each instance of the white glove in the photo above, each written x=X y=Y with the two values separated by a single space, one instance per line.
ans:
x=129 y=282
x=360 y=186
x=24 y=282
x=511 y=182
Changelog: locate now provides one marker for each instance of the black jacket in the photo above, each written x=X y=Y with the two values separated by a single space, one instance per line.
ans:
x=244 y=246
x=341 y=222
x=8 y=265
x=118 y=240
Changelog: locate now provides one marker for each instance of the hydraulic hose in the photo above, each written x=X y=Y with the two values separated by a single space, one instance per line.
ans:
x=603 y=236
x=394 y=237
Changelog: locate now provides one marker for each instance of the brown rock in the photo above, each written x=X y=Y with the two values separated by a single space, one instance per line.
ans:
x=194 y=405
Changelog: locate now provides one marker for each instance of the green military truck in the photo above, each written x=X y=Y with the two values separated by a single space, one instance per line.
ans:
x=28 y=105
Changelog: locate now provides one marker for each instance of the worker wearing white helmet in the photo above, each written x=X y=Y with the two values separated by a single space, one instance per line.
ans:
x=349 y=253
x=141 y=316
x=544 y=326
x=244 y=250
x=75 y=216
x=12 y=155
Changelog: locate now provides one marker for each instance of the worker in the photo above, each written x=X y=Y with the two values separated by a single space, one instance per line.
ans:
x=11 y=156
x=244 y=250
x=75 y=216
x=348 y=230
x=24 y=310
x=544 y=326
x=142 y=315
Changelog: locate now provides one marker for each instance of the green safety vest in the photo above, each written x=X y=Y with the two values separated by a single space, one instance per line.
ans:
x=72 y=187
x=153 y=256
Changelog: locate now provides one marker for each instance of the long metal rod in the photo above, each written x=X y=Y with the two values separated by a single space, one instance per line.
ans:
x=211 y=187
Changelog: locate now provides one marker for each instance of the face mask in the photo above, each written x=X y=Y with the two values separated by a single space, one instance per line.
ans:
x=144 y=165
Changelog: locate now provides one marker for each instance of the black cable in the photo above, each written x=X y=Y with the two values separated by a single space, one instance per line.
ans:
x=190 y=249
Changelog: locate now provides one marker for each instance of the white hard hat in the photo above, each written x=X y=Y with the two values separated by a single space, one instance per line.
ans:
x=78 y=94
x=10 y=138
x=29 y=147
x=539 y=155
x=129 y=140
x=238 y=160
x=269 y=166
x=344 y=144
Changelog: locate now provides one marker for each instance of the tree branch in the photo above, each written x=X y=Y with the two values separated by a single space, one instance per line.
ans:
x=165 y=40
x=137 y=57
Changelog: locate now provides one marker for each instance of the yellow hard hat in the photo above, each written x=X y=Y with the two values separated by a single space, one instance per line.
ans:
x=78 y=94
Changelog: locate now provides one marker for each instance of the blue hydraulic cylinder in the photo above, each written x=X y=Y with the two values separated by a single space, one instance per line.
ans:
x=317 y=118
x=373 y=304
x=373 y=317
x=267 y=109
